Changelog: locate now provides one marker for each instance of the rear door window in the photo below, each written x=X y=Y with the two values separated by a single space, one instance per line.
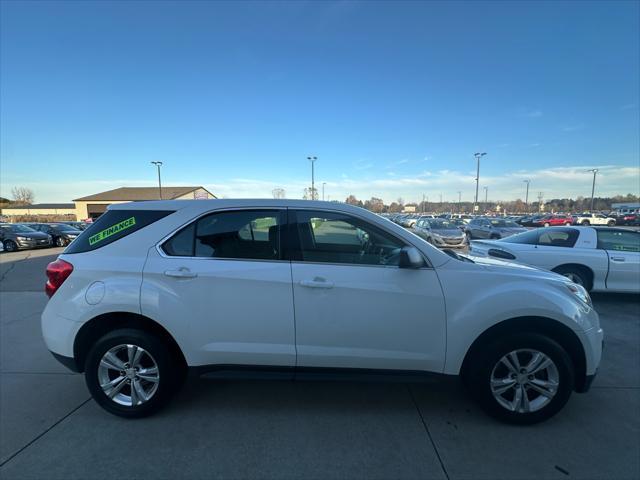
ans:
x=238 y=234
x=112 y=226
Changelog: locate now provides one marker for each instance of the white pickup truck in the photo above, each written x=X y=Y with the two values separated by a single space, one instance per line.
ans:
x=594 y=219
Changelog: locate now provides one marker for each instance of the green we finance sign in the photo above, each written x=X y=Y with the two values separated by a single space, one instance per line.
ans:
x=112 y=230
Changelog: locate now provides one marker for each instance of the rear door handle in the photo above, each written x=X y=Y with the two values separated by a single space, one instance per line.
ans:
x=316 y=283
x=180 y=273
x=617 y=259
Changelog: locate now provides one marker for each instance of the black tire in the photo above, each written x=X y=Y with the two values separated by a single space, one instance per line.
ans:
x=59 y=242
x=10 y=246
x=585 y=223
x=611 y=223
x=169 y=372
x=494 y=237
x=487 y=357
x=577 y=274
x=547 y=224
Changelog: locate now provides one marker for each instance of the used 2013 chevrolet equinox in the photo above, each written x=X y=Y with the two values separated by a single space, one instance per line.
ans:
x=154 y=289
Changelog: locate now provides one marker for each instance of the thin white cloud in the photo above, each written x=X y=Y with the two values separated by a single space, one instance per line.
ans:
x=572 y=128
x=557 y=182
x=628 y=106
x=533 y=114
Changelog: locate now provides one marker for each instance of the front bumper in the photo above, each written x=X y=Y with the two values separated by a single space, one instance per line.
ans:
x=25 y=244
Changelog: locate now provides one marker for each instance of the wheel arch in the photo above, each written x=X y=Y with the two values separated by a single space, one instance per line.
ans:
x=98 y=326
x=579 y=266
x=540 y=325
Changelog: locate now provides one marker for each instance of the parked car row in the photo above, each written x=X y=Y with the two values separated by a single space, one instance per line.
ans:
x=24 y=236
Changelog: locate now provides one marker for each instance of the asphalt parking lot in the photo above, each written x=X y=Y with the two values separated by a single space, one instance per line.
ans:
x=49 y=427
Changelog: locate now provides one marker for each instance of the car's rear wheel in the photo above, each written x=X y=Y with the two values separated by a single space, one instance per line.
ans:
x=586 y=223
x=611 y=223
x=494 y=236
x=60 y=242
x=129 y=373
x=522 y=378
x=546 y=224
x=567 y=223
x=10 y=246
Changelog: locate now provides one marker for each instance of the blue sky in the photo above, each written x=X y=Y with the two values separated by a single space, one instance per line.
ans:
x=394 y=98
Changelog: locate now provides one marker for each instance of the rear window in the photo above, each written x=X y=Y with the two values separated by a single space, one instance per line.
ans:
x=112 y=226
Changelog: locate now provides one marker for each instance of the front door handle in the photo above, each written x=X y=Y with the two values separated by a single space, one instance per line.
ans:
x=181 y=273
x=316 y=283
x=617 y=259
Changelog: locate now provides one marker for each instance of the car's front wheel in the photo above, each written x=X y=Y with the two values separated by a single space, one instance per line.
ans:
x=611 y=223
x=10 y=246
x=129 y=373
x=547 y=224
x=60 y=242
x=522 y=378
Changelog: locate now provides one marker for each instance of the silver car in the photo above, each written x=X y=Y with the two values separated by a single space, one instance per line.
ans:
x=440 y=232
x=492 y=228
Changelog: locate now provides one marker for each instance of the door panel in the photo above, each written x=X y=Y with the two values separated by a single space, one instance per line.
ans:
x=624 y=271
x=368 y=317
x=354 y=307
x=221 y=284
x=236 y=312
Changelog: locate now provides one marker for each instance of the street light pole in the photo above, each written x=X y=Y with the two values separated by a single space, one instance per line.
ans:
x=459 y=201
x=486 y=196
x=159 y=164
x=478 y=156
x=593 y=185
x=313 y=186
x=526 y=198
x=323 y=184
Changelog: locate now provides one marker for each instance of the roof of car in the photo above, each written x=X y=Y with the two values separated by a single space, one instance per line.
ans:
x=235 y=203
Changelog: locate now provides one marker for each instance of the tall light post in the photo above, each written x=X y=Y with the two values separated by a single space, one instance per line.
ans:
x=459 y=201
x=423 y=204
x=478 y=156
x=593 y=185
x=526 y=197
x=486 y=196
x=313 y=183
x=323 y=184
x=159 y=164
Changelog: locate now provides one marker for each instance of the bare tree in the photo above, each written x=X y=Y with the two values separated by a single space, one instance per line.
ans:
x=23 y=195
x=278 y=193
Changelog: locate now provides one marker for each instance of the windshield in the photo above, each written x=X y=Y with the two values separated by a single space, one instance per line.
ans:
x=18 y=228
x=504 y=223
x=442 y=224
x=65 y=228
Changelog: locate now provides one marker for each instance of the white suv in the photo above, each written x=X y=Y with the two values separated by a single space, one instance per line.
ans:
x=153 y=289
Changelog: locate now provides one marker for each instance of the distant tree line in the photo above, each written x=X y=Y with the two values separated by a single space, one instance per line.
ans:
x=579 y=204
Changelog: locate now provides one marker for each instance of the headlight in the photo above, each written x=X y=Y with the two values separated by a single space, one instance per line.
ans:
x=436 y=238
x=580 y=292
x=21 y=239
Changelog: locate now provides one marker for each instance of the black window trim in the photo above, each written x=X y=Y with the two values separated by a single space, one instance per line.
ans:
x=283 y=233
x=286 y=237
x=293 y=236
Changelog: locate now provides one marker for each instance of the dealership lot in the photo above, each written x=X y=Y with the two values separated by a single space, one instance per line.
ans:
x=49 y=428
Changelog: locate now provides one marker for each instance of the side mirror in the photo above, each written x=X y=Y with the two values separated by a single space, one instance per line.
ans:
x=410 y=257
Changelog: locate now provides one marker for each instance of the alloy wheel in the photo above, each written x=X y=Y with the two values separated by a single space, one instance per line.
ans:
x=524 y=381
x=128 y=375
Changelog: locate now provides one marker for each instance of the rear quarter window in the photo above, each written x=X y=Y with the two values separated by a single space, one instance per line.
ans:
x=112 y=226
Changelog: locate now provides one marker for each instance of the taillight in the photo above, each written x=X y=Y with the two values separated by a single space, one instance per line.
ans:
x=57 y=273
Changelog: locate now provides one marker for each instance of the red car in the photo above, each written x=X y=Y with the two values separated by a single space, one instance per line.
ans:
x=552 y=220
